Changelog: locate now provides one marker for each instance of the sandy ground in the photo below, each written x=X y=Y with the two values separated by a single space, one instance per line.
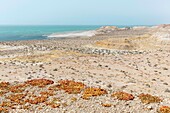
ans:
x=147 y=73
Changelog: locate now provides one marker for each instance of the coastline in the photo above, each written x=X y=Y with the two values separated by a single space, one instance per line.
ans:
x=18 y=33
x=113 y=60
x=13 y=33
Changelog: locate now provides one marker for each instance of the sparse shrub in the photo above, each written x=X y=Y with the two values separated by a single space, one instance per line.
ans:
x=37 y=100
x=106 y=105
x=147 y=98
x=123 y=96
x=18 y=88
x=39 y=82
x=71 y=87
x=164 y=109
x=4 y=110
x=89 y=92
x=17 y=98
x=4 y=85
x=54 y=103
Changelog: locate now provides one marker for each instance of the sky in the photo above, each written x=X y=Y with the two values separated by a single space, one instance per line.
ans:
x=84 y=12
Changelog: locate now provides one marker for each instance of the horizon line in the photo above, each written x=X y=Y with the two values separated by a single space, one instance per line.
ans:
x=76 y=25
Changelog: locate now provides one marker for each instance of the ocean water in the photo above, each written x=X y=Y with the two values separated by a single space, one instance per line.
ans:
x=13 y=33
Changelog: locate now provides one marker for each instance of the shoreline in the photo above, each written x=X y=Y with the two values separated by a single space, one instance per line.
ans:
x=67 y=34
x=37 y=32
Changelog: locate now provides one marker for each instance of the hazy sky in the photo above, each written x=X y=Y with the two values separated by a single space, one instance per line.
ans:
x=85 y=12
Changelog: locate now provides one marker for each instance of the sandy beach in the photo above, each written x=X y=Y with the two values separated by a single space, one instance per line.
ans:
x=117 y=70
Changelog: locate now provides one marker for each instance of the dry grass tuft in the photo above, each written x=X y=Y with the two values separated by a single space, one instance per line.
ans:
x=123 y=96
x=147 y=98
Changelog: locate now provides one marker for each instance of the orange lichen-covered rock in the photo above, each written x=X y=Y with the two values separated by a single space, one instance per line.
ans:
x=89 y=92
x=71 y=87
x=123 y=96
x=164 y=109
x=39 y=82
x=147 y=98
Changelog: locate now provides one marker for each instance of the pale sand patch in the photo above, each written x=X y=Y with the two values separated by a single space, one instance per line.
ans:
x=144 y=42
x=38 y=56
x=2 y=47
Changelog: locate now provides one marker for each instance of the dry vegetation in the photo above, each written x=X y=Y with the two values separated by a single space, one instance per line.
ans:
x=89 y=92
x=71 y=87
x=164 y=109
x=39 y=82
x=21 y=94
x=147 y=98
x=106 y=105
x=123 y=96
x=42 y=57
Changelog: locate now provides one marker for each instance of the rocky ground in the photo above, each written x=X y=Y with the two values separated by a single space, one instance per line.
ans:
x=116 y=71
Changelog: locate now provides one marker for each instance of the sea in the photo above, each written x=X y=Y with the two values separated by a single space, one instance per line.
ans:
x=40 y=32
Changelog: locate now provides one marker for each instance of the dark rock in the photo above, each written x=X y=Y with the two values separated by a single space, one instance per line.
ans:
x=167 y=91
x=55 y=70
x=109 y=86
x=153 y=79
x=165 y=83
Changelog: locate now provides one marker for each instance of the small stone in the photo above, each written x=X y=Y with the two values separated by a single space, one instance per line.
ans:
x=148 y=85
x=165 y=68
x=153 y=79
x=149 y=107
x=165 y=83
x=55 y=70
x=29 y=78
x=109 y=86
x=98 y=81
x=123 y=87
x=167 y=91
